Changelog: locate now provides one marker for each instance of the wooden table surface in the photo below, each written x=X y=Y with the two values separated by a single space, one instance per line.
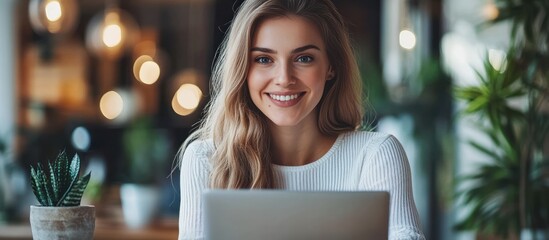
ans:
x=105 y=230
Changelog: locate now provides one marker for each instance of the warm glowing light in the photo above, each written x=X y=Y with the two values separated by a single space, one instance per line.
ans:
x=149 y=72
x=53 y=11
x=407 y=39
x=111 y=105
x=498 y=59
x=490 y=11
x=188 y=96
x=178 y=109
x=137 y=65
x=112 y=35
x=80 y=138
x=53 y=16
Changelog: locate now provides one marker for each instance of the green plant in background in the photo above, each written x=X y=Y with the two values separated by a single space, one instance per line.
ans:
x=4 y=181
x=147 y=152
x=530 y=16
x=511 y=193
x=59 y=184
x=10 y=189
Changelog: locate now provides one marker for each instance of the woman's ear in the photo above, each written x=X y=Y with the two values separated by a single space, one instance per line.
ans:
x=331 y=74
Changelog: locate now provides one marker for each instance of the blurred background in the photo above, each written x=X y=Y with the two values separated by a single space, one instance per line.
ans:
x=461 y=83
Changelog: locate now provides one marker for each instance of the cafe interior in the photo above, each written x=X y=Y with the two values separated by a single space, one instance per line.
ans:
x=463 y=85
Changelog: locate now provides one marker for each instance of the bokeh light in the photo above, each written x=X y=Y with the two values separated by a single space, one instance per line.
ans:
x=80 y=138
x=112 y=35
x=53 y=16
x=186 y=99
x=188 y=96
x=53 y=11
x=111 y=105
x=490 y=11
x=146 y=69
x=407 y=39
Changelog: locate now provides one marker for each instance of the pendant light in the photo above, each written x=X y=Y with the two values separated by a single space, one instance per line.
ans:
x=53 y=16
x=110 y=33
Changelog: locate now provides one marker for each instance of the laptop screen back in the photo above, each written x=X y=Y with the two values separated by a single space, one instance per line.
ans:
x=276 y=214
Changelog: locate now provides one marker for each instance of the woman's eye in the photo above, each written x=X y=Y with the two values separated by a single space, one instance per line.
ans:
x=305 y=59
x=262 y=60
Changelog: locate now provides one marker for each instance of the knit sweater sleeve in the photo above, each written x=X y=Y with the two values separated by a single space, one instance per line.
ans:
x=387 y=169
x=194 y=179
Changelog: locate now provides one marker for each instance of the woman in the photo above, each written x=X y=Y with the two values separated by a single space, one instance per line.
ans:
x=285 y=113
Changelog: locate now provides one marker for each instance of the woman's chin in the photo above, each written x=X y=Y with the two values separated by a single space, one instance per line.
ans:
x=283 y=123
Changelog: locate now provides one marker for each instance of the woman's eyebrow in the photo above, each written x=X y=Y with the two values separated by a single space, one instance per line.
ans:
x=299 y=49
x=306 y=47
x=260 y=49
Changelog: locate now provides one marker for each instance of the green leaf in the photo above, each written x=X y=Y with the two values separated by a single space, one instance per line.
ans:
x=75 y=167
x=481 y=76
x=60 y=184
x=37 y=187
x=484 y=150
x=62 y=171
x=43 y=183
x=54 y=182
x=545 y=21
x=528 y=23
x=476 y=105
x=468 y=93
x=75 y=194
x=66 y=193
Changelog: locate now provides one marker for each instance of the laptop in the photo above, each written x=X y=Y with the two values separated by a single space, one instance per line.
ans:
x=278 y=214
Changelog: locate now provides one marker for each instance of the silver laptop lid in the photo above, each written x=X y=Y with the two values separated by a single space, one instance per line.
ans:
x=277 y=214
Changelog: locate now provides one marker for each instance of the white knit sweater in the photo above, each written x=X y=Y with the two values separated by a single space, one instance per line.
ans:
x=357 y=161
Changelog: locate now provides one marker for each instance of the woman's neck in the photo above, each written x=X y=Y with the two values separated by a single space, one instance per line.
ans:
x=296 y=146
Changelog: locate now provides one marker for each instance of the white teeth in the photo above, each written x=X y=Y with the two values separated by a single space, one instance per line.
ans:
x=283 y=97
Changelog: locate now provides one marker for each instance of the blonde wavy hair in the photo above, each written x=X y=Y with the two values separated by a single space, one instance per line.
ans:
x=242 y=143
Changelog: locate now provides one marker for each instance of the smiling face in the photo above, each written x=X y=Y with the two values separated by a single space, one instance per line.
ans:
x=288 y=70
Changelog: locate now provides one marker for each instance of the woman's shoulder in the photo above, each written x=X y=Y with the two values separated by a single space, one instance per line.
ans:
x=198 y=152
x=367 y=137
x=201 y=147
x=370 y=141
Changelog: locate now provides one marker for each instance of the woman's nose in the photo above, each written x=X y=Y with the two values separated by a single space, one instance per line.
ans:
x=285 y=75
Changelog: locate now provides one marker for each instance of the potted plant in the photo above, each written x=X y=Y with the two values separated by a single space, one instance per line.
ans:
x=58 y=188
x=509 y=196
x=146 y=150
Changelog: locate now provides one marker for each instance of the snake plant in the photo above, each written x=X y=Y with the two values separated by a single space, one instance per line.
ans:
x=58 y=185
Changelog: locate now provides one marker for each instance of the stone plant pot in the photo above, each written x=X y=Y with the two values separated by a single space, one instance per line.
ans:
x=62 y=222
